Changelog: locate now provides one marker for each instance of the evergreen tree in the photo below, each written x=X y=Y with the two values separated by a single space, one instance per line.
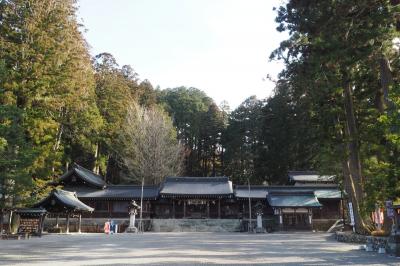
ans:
x=242 y=140
x=335 y=46
x=49 y=79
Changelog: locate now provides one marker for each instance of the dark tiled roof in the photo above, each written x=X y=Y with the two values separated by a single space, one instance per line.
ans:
x=197 y=187
x=260 y=192
x=115 y=192
x=61 y=199
x=310 y=176
x=256 y=192
x=303 y=199
x=85 y=175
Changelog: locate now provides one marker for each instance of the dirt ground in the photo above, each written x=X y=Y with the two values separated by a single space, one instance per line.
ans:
x=187 y=249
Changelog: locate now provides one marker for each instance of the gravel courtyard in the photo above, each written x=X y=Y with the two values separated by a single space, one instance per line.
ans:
x=187 y=249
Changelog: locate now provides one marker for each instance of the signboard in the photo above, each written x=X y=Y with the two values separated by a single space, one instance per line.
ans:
x=29 y=225
x=351 y=213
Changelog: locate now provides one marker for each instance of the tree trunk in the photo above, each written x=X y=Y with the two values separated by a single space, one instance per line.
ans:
x=353 y=174
x=1 y=221
x=384 y=104
x=96 y=168
x=57 y=144
x=386 y=80
x=214 y=173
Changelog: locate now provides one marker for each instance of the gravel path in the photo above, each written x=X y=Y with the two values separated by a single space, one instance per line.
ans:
x=187 y=249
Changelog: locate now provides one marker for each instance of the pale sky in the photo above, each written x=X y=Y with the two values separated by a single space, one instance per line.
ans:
x=218 y=46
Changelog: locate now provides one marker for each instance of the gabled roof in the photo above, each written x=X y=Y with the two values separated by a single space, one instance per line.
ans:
x=60 y=200
x=304 y=199
x=256 y=192
x=261 y=192
x=328 y=194
x=310 y=176
x=118 y=192
x=85 y=175
x=197 y=187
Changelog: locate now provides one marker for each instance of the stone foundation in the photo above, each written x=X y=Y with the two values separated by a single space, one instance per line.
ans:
x=350 y=237
x=89 y=225
x=393 y=245
x=376 y=242
x=195 y=225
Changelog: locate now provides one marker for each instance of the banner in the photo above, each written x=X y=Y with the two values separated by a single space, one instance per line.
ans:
x=351 y=213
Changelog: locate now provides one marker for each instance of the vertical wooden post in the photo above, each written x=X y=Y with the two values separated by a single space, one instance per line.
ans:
x=219 y=208
x=79 y=222
x=67 y=230
x=41 y=224
x=1 y=221
x=184 y=208
x=57 y=220
x=280 y=219
x=10 y=222
x=173 y=208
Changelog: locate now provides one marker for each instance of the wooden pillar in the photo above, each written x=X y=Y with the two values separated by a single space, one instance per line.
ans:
x=41 y=224
x=208 y=209
x=148 y=209
x=173 y=208
x=310 y=220
x=1 y=221
x=219 y=208
x=10 y=221
x=79 y=222
x=57 y=220
x=184 y=208
x=67 y=230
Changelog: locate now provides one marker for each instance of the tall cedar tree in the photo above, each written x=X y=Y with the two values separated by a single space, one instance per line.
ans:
x=336 y=47
x=49 y=81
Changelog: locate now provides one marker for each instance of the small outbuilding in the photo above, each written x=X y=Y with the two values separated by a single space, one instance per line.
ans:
x=31 y=220
x=65 y=203
x=294 y=208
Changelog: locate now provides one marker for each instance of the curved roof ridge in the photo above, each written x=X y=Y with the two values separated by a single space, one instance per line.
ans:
x=69 y=200
x=85 y=174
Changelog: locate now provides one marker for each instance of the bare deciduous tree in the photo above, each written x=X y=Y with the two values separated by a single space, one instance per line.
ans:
x=150 y=147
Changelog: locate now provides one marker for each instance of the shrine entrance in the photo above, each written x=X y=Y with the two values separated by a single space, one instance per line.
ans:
x=296 y=221
x=196 y=208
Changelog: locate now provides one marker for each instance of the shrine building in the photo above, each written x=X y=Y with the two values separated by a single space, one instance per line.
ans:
x=310 y=202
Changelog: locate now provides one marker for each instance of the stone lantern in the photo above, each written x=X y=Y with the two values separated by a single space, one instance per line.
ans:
x=133 y=210
x=259 y=212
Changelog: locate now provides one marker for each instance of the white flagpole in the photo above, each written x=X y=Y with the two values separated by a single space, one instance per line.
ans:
x=250 y=227
x=141 y=209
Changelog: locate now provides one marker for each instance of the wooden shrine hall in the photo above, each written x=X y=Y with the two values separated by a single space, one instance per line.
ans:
x=302 y=205
x=195 y=197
